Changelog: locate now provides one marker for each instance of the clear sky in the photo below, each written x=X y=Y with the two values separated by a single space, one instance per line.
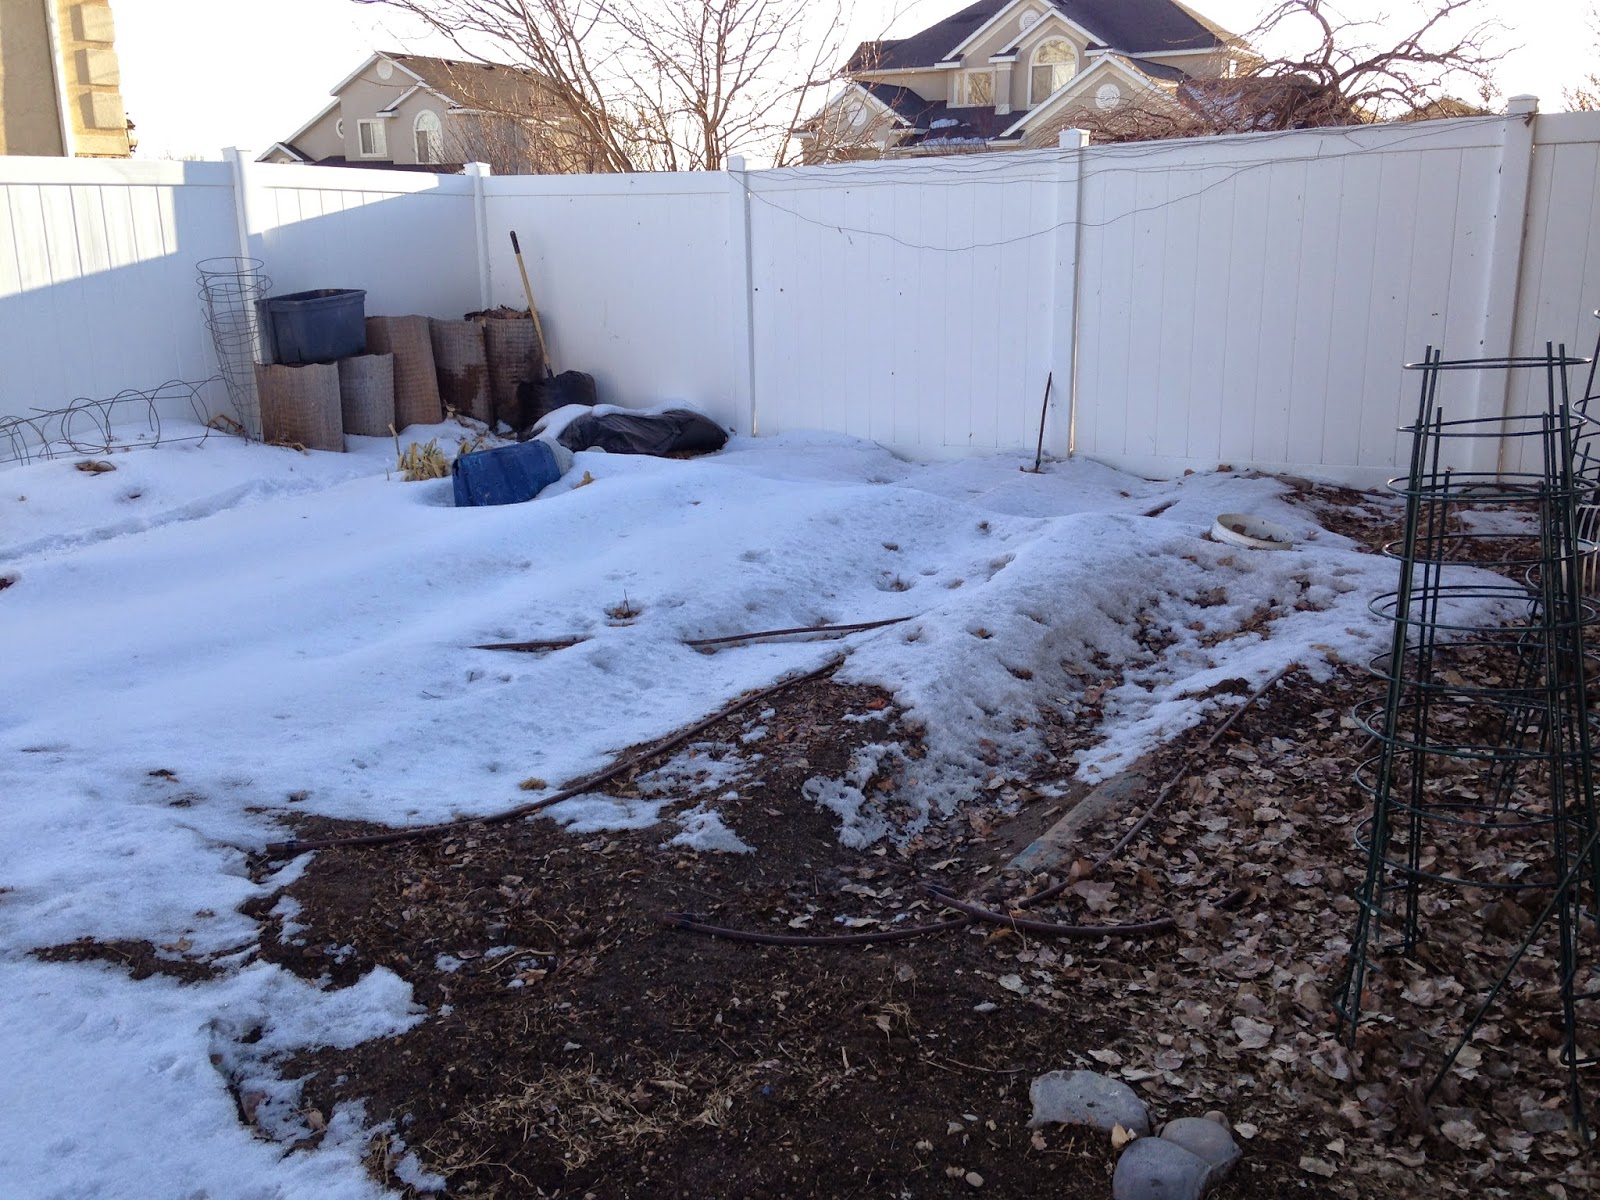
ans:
x=198 y=75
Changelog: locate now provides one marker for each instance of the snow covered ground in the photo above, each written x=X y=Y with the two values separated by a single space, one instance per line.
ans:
x=214 y=634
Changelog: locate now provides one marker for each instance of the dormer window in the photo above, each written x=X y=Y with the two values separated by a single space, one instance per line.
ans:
x=1054 y=63
x=972 y=89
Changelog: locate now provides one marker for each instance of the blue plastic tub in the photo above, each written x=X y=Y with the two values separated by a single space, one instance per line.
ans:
x=507 y=475
x=317 y=327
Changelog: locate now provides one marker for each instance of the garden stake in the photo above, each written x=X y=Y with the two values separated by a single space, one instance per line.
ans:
x=1038 y=455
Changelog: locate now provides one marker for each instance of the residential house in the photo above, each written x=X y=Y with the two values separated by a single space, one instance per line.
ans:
x=413 y=112
x=1009 y=74
x=59 y=80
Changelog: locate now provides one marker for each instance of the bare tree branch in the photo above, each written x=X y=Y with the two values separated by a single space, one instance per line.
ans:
x=1585 y=97
x=1305 y=65
x=630 y=85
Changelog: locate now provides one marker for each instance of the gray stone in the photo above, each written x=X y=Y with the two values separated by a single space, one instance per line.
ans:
x=1086 y=1098
x=1155 y=1169
x=1207 y=1140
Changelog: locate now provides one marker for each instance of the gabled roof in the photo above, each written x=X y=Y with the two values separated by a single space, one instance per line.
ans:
x=288 y=148
x=492 y=87
x=1135 y=70
x=306 y=128
x=1134 y=26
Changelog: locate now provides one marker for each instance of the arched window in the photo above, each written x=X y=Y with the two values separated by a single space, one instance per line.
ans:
x=430 y=137
x=1054 y=62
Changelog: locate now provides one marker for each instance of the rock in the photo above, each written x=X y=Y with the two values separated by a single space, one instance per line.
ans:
x=1156 y=1169
x=1206 y=1140
x=1086 y=1098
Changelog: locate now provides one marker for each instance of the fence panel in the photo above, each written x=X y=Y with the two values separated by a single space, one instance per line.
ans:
x=407 y=238
x=1251 y=300
x=97 y=276
x=632 y=277
x=907 y=302
x=1560 y=285
x=1247 y=300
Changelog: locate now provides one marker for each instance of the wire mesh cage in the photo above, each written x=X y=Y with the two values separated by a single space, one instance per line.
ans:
x=1481 y=784
x=231 y=290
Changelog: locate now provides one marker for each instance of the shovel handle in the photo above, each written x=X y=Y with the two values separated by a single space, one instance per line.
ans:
x=527 y=290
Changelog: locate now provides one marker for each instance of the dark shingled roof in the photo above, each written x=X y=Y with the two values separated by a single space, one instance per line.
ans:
x=1135 y=26
x=970 y=123
x=922 y=115
x=339 y=160
x=1162 y=71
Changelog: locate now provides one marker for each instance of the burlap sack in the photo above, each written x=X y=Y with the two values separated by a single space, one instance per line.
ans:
x=462 y=363
x=513 y=358
x=416 y=386
x=300 y=406
x=366 y=394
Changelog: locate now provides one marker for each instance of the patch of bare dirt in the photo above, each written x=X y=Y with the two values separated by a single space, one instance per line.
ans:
x=578 y=1044
x=141 y=959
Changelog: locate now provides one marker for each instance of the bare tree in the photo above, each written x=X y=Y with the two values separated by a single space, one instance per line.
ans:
x=843 y=128
x=1319 y=68
x=1585 y=97
x=1356 y=71
x=653 y=84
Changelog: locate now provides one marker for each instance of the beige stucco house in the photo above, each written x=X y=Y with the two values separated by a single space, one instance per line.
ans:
x=434 y=114
x=1009 y=74
x=59 y=80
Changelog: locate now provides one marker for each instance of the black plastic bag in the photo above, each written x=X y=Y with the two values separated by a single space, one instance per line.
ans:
x=537 y=398
x=676 y=431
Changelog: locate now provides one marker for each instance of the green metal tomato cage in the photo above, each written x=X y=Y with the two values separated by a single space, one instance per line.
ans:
x=1481 y=783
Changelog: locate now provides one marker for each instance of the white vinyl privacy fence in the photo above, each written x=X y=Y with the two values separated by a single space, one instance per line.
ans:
x=1246 y=300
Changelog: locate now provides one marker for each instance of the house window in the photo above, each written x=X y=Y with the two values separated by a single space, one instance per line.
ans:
x=338 y=127
x=1054 y=62
x=373 y=142
x=973 y=89
x=430 y=137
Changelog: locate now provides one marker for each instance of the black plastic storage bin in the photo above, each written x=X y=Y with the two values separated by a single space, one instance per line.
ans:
x=319 y=326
